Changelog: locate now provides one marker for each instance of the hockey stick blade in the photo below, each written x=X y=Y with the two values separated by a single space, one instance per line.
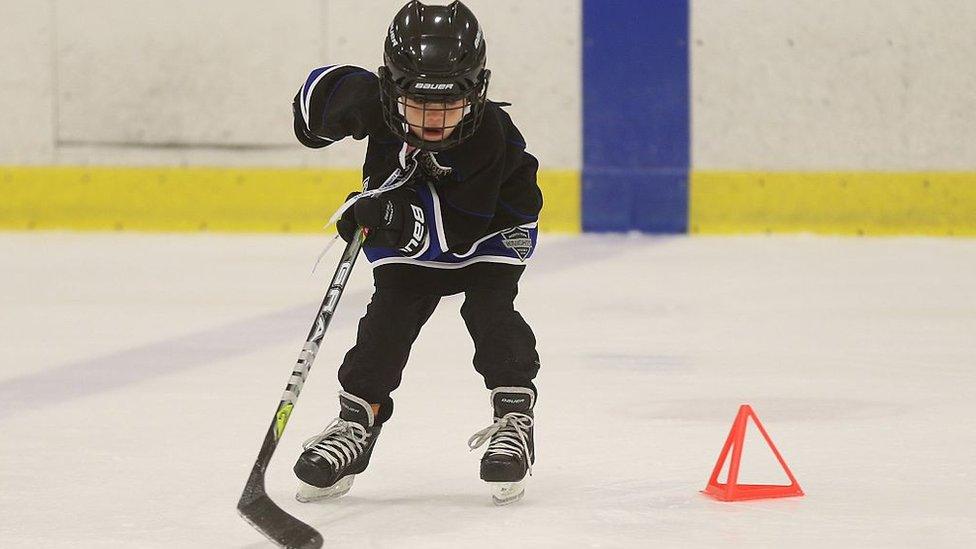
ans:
x=279 y=526
x=264 y=515
x=255 y=506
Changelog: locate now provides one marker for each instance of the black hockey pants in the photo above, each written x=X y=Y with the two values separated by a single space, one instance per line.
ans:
x=406 y=296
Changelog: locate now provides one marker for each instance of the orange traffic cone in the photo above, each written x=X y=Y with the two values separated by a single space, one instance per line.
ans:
x=732 y=490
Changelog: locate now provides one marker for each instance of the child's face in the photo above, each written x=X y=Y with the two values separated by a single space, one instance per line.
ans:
x=433 y=121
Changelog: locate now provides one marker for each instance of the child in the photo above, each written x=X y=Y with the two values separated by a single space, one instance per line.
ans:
x=459 y=215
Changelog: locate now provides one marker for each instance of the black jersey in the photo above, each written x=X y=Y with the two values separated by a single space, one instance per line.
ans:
x=485 y=185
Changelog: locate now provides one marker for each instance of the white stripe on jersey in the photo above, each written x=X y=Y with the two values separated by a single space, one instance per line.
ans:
x=444 y=265
x=438 y=219
x=306 y=98
x=474 y=246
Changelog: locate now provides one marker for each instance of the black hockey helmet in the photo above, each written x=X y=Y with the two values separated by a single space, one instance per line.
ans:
x=434 y=65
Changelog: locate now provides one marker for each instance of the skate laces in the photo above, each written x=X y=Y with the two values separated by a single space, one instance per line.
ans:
x=340 y=443
x=508 y=436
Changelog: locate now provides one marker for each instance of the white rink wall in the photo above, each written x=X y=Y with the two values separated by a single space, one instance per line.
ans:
x=799 y=85
x=27 y=103
x=834 y=84
x=144 y=82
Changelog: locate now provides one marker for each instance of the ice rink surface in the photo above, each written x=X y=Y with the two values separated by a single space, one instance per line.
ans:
x=140 y=372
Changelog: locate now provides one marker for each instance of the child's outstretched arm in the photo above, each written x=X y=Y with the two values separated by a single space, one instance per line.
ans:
x=336 y=102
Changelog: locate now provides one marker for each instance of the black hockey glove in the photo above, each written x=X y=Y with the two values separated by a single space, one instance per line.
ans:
x=394 y=219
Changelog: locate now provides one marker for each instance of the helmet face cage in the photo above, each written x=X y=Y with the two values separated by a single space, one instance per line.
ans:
x=432 y=121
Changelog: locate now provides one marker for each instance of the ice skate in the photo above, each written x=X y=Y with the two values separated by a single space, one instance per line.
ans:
x=505 y=493
x=333 y=458
x=511 y=448
x=308 y=493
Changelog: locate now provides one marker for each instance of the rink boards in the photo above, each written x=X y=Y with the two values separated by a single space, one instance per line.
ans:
x=651 y=117
x=301 y=200
x=208 y=199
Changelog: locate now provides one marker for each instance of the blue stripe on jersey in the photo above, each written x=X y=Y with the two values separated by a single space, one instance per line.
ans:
x=311 y=78
x=516 y=213
x=469 y=212
x=335 y=88
x=513 y=245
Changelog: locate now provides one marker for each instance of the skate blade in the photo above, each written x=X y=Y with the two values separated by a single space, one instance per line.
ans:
x=506 y=493
x=308 y=493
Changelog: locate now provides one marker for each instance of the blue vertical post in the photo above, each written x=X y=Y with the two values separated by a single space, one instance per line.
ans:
x=636 y=115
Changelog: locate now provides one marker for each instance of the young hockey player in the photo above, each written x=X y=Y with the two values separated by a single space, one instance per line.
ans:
x=450 y=203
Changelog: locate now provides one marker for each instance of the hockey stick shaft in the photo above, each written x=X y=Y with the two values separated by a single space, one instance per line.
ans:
x=317 y=332
x=255 y=506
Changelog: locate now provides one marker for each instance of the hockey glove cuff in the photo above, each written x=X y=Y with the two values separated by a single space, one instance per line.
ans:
x=395 y=220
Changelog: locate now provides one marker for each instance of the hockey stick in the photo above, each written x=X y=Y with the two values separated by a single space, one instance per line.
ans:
x=255 y=506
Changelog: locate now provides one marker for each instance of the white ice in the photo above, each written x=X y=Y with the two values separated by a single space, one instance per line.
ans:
x=138 y=374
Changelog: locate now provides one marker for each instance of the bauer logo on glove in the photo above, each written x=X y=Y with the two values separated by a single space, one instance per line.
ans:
x=394 y=219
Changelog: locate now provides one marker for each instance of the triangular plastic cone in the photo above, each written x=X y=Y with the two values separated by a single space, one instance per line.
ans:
x=732 y=490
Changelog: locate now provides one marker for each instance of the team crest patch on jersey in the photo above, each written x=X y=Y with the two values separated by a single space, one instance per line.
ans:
x=518 y=240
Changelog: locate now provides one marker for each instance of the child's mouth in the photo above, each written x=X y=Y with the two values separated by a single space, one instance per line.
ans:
x=433 y=134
